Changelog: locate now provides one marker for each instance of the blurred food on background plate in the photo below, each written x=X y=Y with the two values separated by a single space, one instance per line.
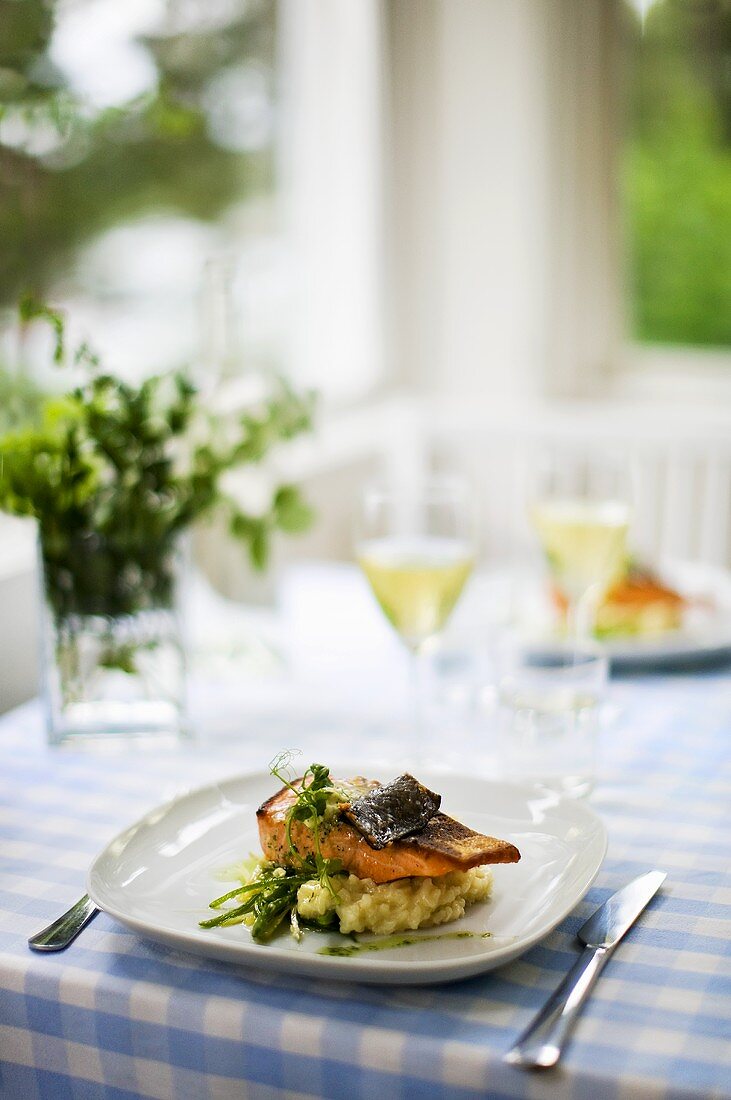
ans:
x=637 y=603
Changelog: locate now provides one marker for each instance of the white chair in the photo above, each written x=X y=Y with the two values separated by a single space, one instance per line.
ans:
x=681 y=467
x=682 y=464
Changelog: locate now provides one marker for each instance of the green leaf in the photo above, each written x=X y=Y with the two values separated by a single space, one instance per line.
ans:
x=292 y=514
x=32 y=309
x=259 y=548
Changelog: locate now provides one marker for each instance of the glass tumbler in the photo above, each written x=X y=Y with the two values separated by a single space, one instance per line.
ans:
x=550 y=714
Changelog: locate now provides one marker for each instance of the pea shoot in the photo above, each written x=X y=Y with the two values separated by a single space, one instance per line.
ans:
x=271 y=893
x=312 y=797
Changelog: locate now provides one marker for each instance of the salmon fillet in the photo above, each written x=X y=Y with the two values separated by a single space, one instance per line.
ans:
x=443 y=845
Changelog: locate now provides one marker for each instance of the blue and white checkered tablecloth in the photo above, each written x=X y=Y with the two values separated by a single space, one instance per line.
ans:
x=118 y=1017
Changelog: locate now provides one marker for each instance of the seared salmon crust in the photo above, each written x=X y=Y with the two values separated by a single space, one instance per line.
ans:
x=443 y=845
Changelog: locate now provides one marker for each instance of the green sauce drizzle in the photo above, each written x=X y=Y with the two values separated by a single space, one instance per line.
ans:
x=347 y=950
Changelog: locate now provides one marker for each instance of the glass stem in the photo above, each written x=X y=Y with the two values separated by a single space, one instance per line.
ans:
x=572 y=624
x=416 y=748
x=580 y=619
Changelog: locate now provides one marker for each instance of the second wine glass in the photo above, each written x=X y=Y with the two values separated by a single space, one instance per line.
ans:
x=581 y=511
x=416 y=548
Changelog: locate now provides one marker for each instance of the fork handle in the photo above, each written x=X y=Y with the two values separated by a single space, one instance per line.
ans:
x=60 y=934
x=542 y=1042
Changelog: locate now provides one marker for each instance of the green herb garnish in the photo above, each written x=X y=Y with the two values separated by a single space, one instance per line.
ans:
x=268 y=897
x=313 y=798
x=271 y=893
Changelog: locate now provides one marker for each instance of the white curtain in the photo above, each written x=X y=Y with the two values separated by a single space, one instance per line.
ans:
x=332 y=188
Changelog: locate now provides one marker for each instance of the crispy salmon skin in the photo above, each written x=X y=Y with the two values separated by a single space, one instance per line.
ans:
x=443 y=845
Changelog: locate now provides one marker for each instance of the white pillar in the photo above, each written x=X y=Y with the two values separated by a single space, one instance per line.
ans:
x=332 y=168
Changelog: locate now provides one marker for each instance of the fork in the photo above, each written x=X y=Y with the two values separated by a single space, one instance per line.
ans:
x=57 y=936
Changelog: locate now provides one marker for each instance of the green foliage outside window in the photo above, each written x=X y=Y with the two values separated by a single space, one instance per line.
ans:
x=677 y=173
x=104 y=166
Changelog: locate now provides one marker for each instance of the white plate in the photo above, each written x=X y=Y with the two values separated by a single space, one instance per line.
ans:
x=159 y=876
x=705 y=633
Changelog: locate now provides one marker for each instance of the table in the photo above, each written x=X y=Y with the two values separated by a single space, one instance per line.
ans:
x=117 y=1017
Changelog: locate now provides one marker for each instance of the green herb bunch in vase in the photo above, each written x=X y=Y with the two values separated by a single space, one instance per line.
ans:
x=115 y=474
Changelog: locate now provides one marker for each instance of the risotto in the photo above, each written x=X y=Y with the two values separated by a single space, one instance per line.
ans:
x=399 y=906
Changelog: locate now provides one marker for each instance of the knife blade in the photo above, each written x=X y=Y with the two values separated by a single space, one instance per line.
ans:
x=542 y=1042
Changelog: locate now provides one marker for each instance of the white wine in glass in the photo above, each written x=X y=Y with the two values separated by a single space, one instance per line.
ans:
x=416 y=550
x=417 y=581
x=585 y=542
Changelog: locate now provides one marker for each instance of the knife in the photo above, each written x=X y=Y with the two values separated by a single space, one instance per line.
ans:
x=542 y=1042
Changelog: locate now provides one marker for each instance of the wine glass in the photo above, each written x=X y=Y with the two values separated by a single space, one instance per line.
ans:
x=416 y=549
x=581 y=510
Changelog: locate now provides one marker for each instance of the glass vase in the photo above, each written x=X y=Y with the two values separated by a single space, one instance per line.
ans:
x=113 y=661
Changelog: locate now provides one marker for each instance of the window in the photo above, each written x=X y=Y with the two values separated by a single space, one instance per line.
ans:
x=676 y=172
x=137 y=139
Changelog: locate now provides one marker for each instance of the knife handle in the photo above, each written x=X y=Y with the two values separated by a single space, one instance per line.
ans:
x=541 y=1043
